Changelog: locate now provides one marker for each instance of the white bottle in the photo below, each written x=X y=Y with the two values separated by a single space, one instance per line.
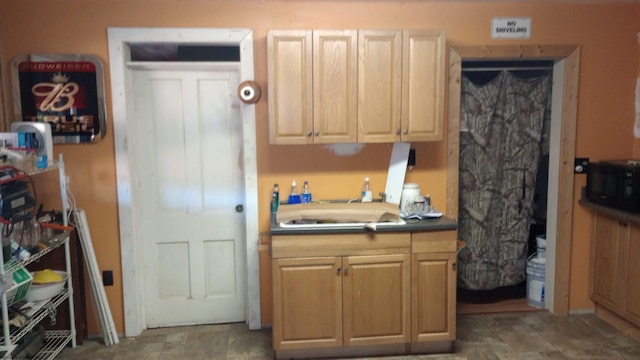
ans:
x=367 y=192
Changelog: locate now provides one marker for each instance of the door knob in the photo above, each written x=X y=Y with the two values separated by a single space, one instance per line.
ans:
x=309 y=133
x=239 y=208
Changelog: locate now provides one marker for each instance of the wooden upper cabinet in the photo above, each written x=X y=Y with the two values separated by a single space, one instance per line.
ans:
x=379 y=85
x=289 y=54
x=423 y=81
x=335 y=76
x=345 y=86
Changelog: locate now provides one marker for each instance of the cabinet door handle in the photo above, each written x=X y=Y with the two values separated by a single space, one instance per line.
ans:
x=406 y=131
x=338 y=271
x=309 y=133
x=398 y=132
x=346 y=271
x=317 y=133
x=454 y=266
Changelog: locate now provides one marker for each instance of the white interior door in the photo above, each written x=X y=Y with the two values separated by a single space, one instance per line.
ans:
x=189 y=190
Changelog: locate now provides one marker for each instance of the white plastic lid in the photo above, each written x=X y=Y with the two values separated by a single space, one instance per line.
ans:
x=410 y=186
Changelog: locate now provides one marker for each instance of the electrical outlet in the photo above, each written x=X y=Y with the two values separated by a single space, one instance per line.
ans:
x=580 y=165
x=412 y=157
x=107 y=278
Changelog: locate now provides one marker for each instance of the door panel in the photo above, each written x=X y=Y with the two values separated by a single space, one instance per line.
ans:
x=376 y=299
x=433 y=292
x=606 y=247
x=307 y=298
x=335 y=86
x=379 y=85
x=632 y=296
x=189 y=179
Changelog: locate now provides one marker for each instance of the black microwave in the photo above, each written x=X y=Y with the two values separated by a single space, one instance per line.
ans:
x=615 y=183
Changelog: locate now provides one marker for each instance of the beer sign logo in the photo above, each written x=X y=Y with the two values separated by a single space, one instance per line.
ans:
x=67 y=95
x=59 y=94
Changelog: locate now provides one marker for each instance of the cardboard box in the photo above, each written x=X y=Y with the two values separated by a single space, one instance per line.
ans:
x=22 y=280
x=340 y=212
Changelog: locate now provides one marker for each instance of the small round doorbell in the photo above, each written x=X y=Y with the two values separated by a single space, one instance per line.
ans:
x=249 y=92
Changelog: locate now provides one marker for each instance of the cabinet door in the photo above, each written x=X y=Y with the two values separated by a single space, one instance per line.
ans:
x=307 y=305
x=289 y=57
x=379 y=85
x=632 y=274
x=376 y=301
x=605 y=257
x=433 y=293
x=423 y=69
x=335 y=77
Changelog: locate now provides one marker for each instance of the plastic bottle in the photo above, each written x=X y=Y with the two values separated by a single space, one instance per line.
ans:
x=367 y=192
x=275 y=198
x=305 y=198
x=294 y=197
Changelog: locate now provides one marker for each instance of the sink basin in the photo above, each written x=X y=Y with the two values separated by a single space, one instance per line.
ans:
x=320 y=225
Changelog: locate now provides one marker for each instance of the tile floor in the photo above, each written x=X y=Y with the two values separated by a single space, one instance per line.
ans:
x=531 y=336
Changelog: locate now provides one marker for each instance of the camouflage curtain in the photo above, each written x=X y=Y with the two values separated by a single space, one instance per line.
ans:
x=501 y=140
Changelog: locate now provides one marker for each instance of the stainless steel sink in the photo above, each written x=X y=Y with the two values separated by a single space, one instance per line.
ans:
x=320 y=225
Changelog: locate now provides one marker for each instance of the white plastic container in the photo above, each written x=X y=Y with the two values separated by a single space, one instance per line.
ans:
x=535 y=281
x=410 y=191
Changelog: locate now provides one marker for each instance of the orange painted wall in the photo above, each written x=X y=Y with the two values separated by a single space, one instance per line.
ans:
x=609 y=66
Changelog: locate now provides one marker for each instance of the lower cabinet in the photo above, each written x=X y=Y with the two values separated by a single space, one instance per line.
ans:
x=433 y=291
x=376 y=302
x=341 y=301
x=614 y=266
x=631 y=299
x=363 y=294
x=307 y=303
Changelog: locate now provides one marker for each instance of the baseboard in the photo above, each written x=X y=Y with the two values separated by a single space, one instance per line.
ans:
x=361 y=351
x=619 y=323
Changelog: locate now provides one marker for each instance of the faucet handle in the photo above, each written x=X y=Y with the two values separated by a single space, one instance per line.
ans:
x=383 y=195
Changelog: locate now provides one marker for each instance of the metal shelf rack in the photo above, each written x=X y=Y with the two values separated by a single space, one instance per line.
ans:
x=55 y=341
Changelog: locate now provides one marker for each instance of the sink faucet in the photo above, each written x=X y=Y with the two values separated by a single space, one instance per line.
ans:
x=383 y=196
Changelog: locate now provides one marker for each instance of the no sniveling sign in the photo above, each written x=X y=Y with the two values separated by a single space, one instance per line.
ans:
x=510 y=28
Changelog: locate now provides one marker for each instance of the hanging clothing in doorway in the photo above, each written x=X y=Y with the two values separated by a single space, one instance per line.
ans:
x=502 y=127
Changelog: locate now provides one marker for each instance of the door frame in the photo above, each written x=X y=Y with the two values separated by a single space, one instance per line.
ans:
x=121 y=88
x=563 y=140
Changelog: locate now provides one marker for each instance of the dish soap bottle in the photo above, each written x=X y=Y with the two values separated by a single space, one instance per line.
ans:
x=275 y=198
x=305 y=198
x=367 y=192
x=294 y=197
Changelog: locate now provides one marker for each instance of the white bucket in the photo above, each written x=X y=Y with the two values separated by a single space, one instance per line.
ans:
x=535 y=282
x=541 y=246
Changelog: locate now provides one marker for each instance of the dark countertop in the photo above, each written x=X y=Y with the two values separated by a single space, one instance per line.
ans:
x=442 y=223
x=611 y=212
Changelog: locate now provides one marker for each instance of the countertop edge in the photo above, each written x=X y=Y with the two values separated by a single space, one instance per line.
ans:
x=611 y=212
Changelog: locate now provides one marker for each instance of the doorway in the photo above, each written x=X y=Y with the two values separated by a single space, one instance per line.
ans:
x=129 y=203
x=504 y=141
x=562 y=138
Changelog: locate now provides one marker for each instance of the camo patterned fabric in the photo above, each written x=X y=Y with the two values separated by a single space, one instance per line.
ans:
x=501 y=140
